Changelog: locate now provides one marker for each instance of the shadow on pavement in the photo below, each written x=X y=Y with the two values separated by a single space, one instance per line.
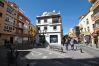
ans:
x=63 y=62
x=60 y=61
x=48 y=62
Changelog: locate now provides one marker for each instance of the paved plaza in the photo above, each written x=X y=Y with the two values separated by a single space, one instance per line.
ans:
x=48 y=57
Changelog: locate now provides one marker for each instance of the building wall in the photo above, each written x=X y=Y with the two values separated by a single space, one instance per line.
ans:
x=84 y=24
x=71 y=32
x=50 y=28
x=10 y=23
x=2 y=10
x=47 y=38
x=7 y=25
x=53 y=29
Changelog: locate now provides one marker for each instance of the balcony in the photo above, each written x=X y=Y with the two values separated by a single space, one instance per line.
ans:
x=94 y=6
x=96 y=25
x=91 y=1
x=95 y=16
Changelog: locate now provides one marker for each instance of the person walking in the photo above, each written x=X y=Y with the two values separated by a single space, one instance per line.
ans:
x=67 y=41
x=72 y=44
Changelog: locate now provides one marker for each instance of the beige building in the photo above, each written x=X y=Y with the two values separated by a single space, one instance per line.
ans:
x=7 y=21
x=87 y=26
x=95 y=18
x=14 y=25
x=71 y=32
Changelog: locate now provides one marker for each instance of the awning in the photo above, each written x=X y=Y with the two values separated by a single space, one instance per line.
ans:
x=94 y=34
x=85 y=33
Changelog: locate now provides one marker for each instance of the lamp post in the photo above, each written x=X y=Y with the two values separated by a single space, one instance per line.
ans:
x=42 y=38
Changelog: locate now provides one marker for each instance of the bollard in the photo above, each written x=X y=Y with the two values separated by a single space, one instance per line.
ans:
x=81 y=50
x=76 y=48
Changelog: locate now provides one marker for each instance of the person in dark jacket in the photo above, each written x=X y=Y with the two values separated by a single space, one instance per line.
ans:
x=72 y=44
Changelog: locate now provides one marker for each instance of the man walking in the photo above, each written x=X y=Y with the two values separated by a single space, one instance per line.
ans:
x=72 y=44
x=67 y=42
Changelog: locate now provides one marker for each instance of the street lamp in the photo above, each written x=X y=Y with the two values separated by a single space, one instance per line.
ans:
x=42 y=37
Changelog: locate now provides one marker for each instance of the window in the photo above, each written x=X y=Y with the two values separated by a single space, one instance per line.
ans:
x=93 y=25
x=45 y=28
x=20 y=17
x=88 y=29
x=20 y=25
x=97 y=23
x=87 y=21
x=11 y=10
x=0 y=14
x=25 y=26
x=53 y=38
x=55 y=27
x=45 y=20
x=85 y=29
x=55 y=20
x=7 y=28
x=39 y=20
x=1 y=4
x=7 y=18
x=38 y=28
x=27 y=21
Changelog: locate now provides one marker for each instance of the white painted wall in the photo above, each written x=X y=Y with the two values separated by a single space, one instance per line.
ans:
x=50 y=28
x=50 y=25
x=47 y=38
x=49 y=21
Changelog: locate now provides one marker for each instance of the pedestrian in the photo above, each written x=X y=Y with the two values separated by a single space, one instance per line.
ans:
x=17 y=54
x=96 y=42
x=66 y=43
x=72 y=44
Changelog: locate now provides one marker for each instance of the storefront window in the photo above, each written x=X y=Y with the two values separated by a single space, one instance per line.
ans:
x=53 y=39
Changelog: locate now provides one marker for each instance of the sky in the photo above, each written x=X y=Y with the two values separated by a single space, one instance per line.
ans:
x=70 y=10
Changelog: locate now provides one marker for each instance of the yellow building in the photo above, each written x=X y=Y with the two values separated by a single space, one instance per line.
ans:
x=32 y=32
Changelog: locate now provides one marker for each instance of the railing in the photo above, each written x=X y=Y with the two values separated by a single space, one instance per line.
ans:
x=94 y=5
x=95 y=16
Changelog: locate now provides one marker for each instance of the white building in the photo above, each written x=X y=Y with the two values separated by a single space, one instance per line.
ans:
x=49 y=25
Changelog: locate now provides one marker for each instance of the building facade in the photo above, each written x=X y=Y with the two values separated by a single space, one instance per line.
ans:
x=95 y=17
x=14 y=25
x=32 y=33
x=87 y=27
x=49 y=26
x=72 y=33
x=8 y=20
x=21 y=28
